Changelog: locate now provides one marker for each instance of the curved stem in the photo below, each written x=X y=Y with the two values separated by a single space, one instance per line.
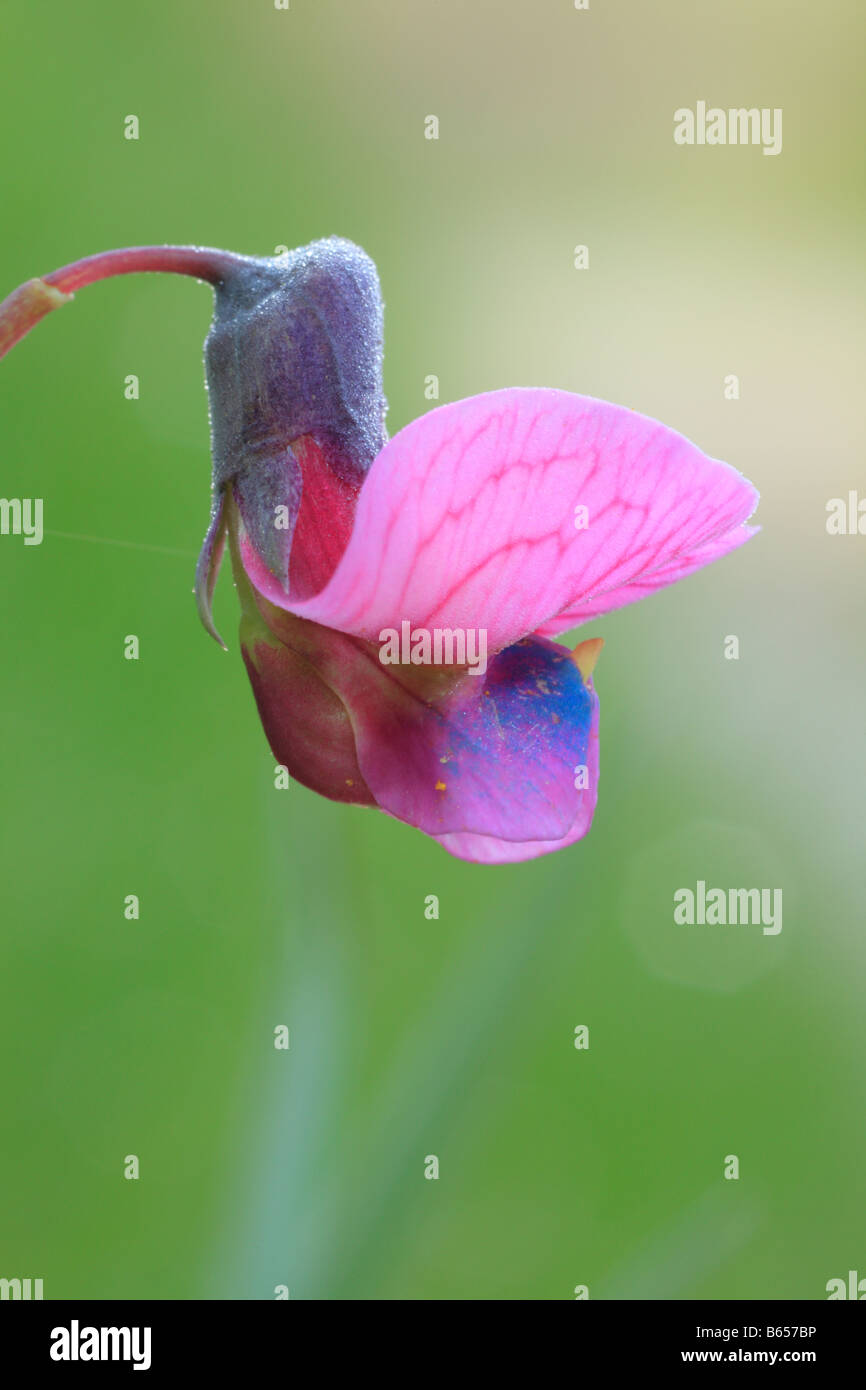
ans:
x=202 y=262
x=28 y=304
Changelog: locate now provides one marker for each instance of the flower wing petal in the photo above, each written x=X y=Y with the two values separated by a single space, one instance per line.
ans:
x=467 y=518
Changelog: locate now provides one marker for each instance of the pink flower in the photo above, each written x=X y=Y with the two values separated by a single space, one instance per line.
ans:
x=399 y=599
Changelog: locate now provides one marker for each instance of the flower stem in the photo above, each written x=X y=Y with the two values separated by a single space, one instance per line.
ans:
x=28 y=304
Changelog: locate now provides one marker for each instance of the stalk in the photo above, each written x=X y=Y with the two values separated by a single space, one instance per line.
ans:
x=24 y=307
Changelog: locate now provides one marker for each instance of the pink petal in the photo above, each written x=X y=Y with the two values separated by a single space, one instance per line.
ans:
x=493 y=754
x=486 y=849
x=648 y=583
x=467 y=518
x=496 y=757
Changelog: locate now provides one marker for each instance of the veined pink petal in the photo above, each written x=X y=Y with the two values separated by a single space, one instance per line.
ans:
x=467 y=518
x=647 y=584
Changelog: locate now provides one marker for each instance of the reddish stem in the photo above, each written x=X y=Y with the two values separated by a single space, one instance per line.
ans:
x=25 y=306
x=199 y=261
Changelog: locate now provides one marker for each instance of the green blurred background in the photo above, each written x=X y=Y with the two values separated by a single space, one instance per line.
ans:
x=410 y=1037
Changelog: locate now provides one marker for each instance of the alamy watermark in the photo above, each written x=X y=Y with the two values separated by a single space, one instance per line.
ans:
x=853 y=1287
x=720 y=907
x=438 y=646
x=77 y=1343
x=22 y=516
x=20 y=1289
x=846 y=517
x=739 y=125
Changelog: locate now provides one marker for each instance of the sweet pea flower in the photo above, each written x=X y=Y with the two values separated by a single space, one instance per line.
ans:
x=400 y=598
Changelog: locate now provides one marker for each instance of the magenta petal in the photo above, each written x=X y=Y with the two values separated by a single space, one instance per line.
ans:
x=486 y=849
x=497 y=757
x=467 y=518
